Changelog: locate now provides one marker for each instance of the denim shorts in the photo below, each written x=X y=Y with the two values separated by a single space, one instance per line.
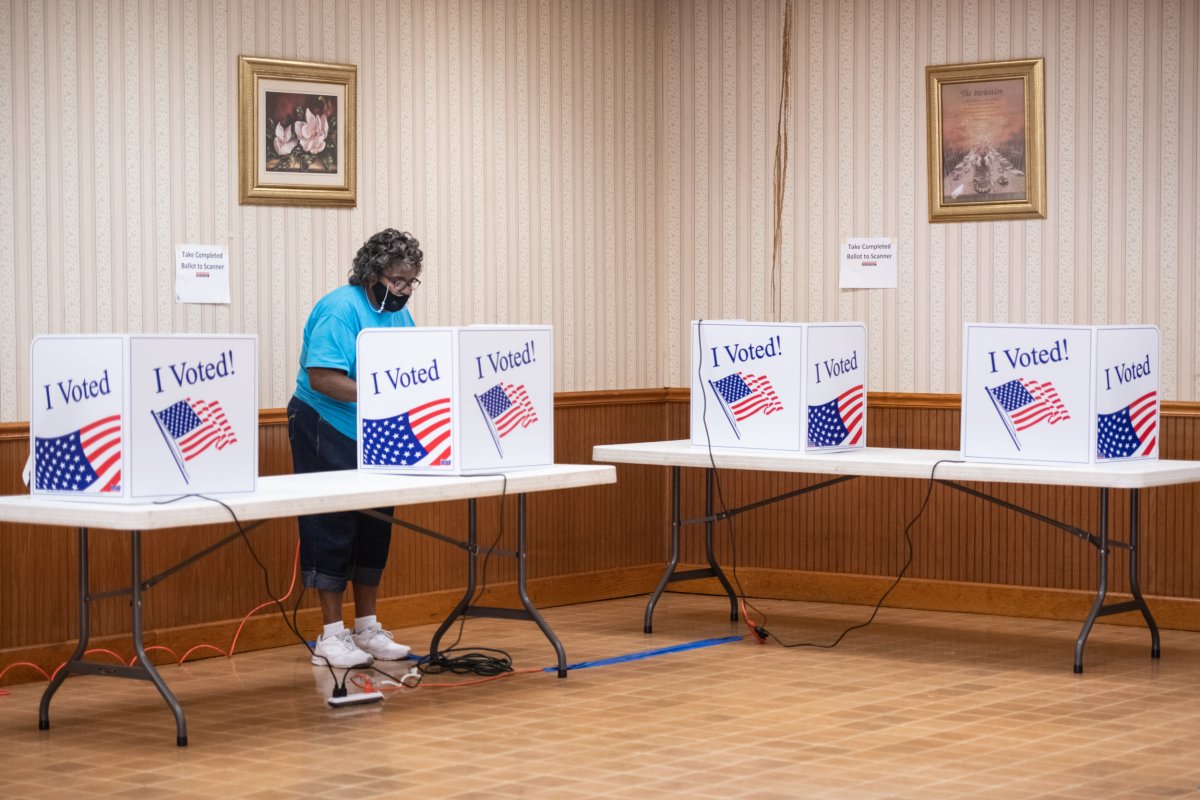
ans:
x=345 y=545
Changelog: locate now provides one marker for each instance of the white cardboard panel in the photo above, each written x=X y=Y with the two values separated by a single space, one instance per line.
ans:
x=132 y=417
x=455 y=400
x=778 y=386
x=1059 y=394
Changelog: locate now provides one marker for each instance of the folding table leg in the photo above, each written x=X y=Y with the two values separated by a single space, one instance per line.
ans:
x=1135 y=586
x=529 y=612
x=84 y=634
x=139 y=649
x=1137 y=603
x=673 y=561
x=1101 y=583
x=77 y=664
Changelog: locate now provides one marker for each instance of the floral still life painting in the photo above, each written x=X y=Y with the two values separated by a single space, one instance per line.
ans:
x=296 y=132
x=302 y=133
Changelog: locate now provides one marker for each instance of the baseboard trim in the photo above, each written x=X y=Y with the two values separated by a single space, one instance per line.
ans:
x=1173 y=613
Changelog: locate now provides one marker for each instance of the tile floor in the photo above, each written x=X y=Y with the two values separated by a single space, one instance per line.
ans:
x=918 y=705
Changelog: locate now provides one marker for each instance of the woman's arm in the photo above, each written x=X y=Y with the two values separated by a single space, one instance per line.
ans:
x=333 y=383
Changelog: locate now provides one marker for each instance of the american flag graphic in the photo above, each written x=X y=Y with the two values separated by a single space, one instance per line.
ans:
x=504 y=408
x=1135 y=427
x=838 y=422
x=1023 y=403
x=507 y=406
x=745 y=395
x=86 y=460
x=194 y=426
x=419 y=436
x=1029 y=402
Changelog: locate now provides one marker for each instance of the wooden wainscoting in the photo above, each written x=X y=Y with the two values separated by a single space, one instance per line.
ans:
x=842 y=544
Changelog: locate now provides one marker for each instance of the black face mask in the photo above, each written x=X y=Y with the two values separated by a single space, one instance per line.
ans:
x=387 y=301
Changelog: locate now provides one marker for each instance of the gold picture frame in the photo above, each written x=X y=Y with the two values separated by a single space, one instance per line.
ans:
x=296 y=132
x=987 y=140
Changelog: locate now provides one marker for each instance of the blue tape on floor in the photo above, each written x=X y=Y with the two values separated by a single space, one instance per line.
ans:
x=662 y=651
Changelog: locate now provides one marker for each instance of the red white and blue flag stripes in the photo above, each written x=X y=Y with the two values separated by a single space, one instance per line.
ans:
x=838 y=422
x=1131 y=431
x=419 y=436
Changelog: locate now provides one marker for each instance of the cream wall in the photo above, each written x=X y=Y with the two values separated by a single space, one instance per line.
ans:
x=602 y=166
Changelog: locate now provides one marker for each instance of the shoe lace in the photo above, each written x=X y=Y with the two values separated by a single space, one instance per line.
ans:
x=371 y=633
x=344 y=643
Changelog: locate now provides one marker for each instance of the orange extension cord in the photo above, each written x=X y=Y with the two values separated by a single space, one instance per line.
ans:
x=133 y=660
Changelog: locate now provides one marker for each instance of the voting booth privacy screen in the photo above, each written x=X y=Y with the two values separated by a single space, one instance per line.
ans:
x=134 y=417
x=455 y=400
x=1060 y=394
x=779 y=385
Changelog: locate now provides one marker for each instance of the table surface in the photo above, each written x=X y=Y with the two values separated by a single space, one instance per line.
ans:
x=903 y=463
x=290 y=495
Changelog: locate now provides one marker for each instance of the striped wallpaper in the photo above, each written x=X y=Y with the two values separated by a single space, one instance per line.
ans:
x=605 y=166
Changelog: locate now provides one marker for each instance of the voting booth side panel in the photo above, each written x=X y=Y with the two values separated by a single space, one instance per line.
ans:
x=747 y=385
x=77 y=428
x=1028 y=393
x=835 y=380
x=193 y=415
x=506 y=415
x=1125 y=426
x=407 y=398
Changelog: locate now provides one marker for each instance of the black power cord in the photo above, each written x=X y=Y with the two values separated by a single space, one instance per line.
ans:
x=472 y=661
x=339 y=684
x=900 y=575
x=759 y=627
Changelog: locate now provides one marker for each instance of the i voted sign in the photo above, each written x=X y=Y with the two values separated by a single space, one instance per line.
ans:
x=455 y=400
x=133 y=417
x=778 y=386
x=1127 y=393
x=1059 y=394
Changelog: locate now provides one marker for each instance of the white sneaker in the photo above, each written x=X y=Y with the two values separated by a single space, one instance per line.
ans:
x=339 y=650
x=378 y=643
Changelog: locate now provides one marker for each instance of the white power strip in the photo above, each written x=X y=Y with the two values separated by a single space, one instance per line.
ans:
x=359 y=699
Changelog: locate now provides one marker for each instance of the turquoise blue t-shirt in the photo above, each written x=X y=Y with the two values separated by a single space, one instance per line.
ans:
x=330 y=336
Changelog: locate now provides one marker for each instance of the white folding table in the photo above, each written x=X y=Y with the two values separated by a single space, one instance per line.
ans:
x=887 y=462
x=288 y=496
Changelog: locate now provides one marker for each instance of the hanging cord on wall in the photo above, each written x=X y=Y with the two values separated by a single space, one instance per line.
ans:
x=781 y=160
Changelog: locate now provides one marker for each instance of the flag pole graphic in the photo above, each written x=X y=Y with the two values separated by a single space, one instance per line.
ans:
x=1003 y=417
x=725 y=408
x=491 y=427
x=171 y=446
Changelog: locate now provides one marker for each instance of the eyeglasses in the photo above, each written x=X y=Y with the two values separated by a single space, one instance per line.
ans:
x=398 y=285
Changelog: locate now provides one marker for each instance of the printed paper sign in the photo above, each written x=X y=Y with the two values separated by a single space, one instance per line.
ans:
x=201 y=274
x=869 y=263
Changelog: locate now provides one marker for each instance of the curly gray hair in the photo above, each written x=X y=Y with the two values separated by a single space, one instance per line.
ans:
x=385 y=248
